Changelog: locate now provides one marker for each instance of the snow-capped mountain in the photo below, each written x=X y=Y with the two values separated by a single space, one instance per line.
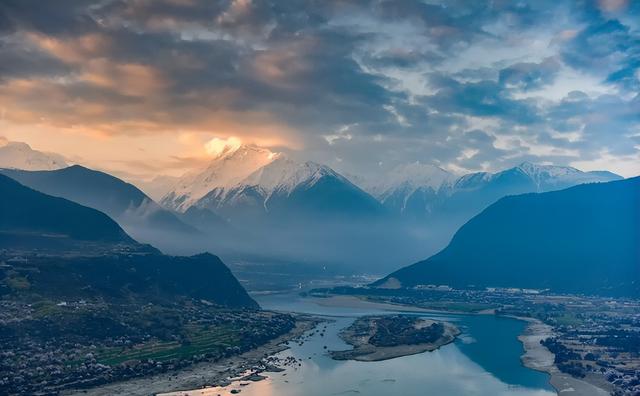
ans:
x=549 y=177
x=471 y=193
x=286 y=187
x=408 y=177
x=530 y=177
x=18 y=155
x=409 y=187
x=427 y=193
x=224 y=171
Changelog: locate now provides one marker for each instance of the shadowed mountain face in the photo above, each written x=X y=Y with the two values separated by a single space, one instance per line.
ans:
x=138 y=213
x=27 y=212
x=585 y=239
x=472 y=193
x=447 y=202
x=205 y=220
x=86 y=253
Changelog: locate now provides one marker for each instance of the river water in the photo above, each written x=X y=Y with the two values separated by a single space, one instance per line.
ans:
x=485 y=360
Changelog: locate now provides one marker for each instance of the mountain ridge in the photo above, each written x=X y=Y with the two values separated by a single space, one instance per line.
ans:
x=102 y=191
x=26 y=212
x=78 y=250
x=581 y=239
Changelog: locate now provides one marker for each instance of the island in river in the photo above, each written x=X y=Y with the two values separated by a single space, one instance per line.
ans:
x=376 y=338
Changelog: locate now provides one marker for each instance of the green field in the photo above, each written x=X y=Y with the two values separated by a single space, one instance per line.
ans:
x=199 y=341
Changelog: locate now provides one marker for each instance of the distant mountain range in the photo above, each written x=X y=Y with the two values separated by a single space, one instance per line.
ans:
x=256 y=181
x=584 y=239
x=18 y=155
x=290 y=191
x=252 y=200
x=75 y=250
x=135 y=211
x=428 y=193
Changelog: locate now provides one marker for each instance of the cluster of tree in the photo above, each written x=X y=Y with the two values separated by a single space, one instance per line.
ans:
x=402 y=330
x=565 y=358
x=623 y=340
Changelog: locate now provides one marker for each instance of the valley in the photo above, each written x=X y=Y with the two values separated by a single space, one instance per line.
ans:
x=319 y=198
x=143 y=321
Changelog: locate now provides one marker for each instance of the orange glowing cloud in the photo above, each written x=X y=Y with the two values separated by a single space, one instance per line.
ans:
x=74 y=49
x=217 y=147
x=128 y=79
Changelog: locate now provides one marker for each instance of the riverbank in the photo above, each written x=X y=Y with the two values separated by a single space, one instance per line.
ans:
x=538 y=357
x=382 y=338
x=220 y=373
x=358 y=302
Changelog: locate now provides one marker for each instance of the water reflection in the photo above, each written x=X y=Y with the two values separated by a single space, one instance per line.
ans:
x=483 y=362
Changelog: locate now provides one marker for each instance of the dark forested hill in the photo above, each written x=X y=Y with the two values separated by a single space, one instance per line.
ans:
x=50 y=246
x=585 y=239
x=26 y=211
x=122 y=201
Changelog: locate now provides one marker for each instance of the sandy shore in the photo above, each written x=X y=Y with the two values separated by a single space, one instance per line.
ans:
x=202 y=374
x=356 y=302
x=538 y=357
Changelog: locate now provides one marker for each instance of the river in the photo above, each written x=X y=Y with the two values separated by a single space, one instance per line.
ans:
x=485 y=360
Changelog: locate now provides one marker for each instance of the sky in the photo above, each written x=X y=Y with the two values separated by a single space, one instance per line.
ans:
x=145 y=88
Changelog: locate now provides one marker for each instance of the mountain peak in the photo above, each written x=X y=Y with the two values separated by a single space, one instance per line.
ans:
x=245 y=150
x=553 y=177
x=225 y=170
x=284 y=173
x=19 y=155
x=532 y=168
x=410 y=176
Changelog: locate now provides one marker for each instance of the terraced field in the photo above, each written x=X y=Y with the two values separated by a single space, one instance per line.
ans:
x=199 y=340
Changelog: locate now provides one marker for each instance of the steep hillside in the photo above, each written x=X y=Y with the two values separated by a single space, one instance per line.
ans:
x=120 y=200
x=584 y=239
x=27 y=212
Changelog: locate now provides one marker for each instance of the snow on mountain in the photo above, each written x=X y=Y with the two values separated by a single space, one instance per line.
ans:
x=407 y=185
x=417 y=189
x=539 y=178
x=285 y=174
x=18 y=155
x=407 y=177
x=225 y=171
x=280 y=177
x=549 y=177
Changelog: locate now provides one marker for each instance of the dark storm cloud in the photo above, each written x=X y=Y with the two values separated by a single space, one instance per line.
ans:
x=482 y=99
x=607 y=45
x=18 y=60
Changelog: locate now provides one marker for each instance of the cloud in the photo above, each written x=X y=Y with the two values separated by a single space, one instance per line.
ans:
x=410 y=81
x=217 y=147
x=527 y=75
